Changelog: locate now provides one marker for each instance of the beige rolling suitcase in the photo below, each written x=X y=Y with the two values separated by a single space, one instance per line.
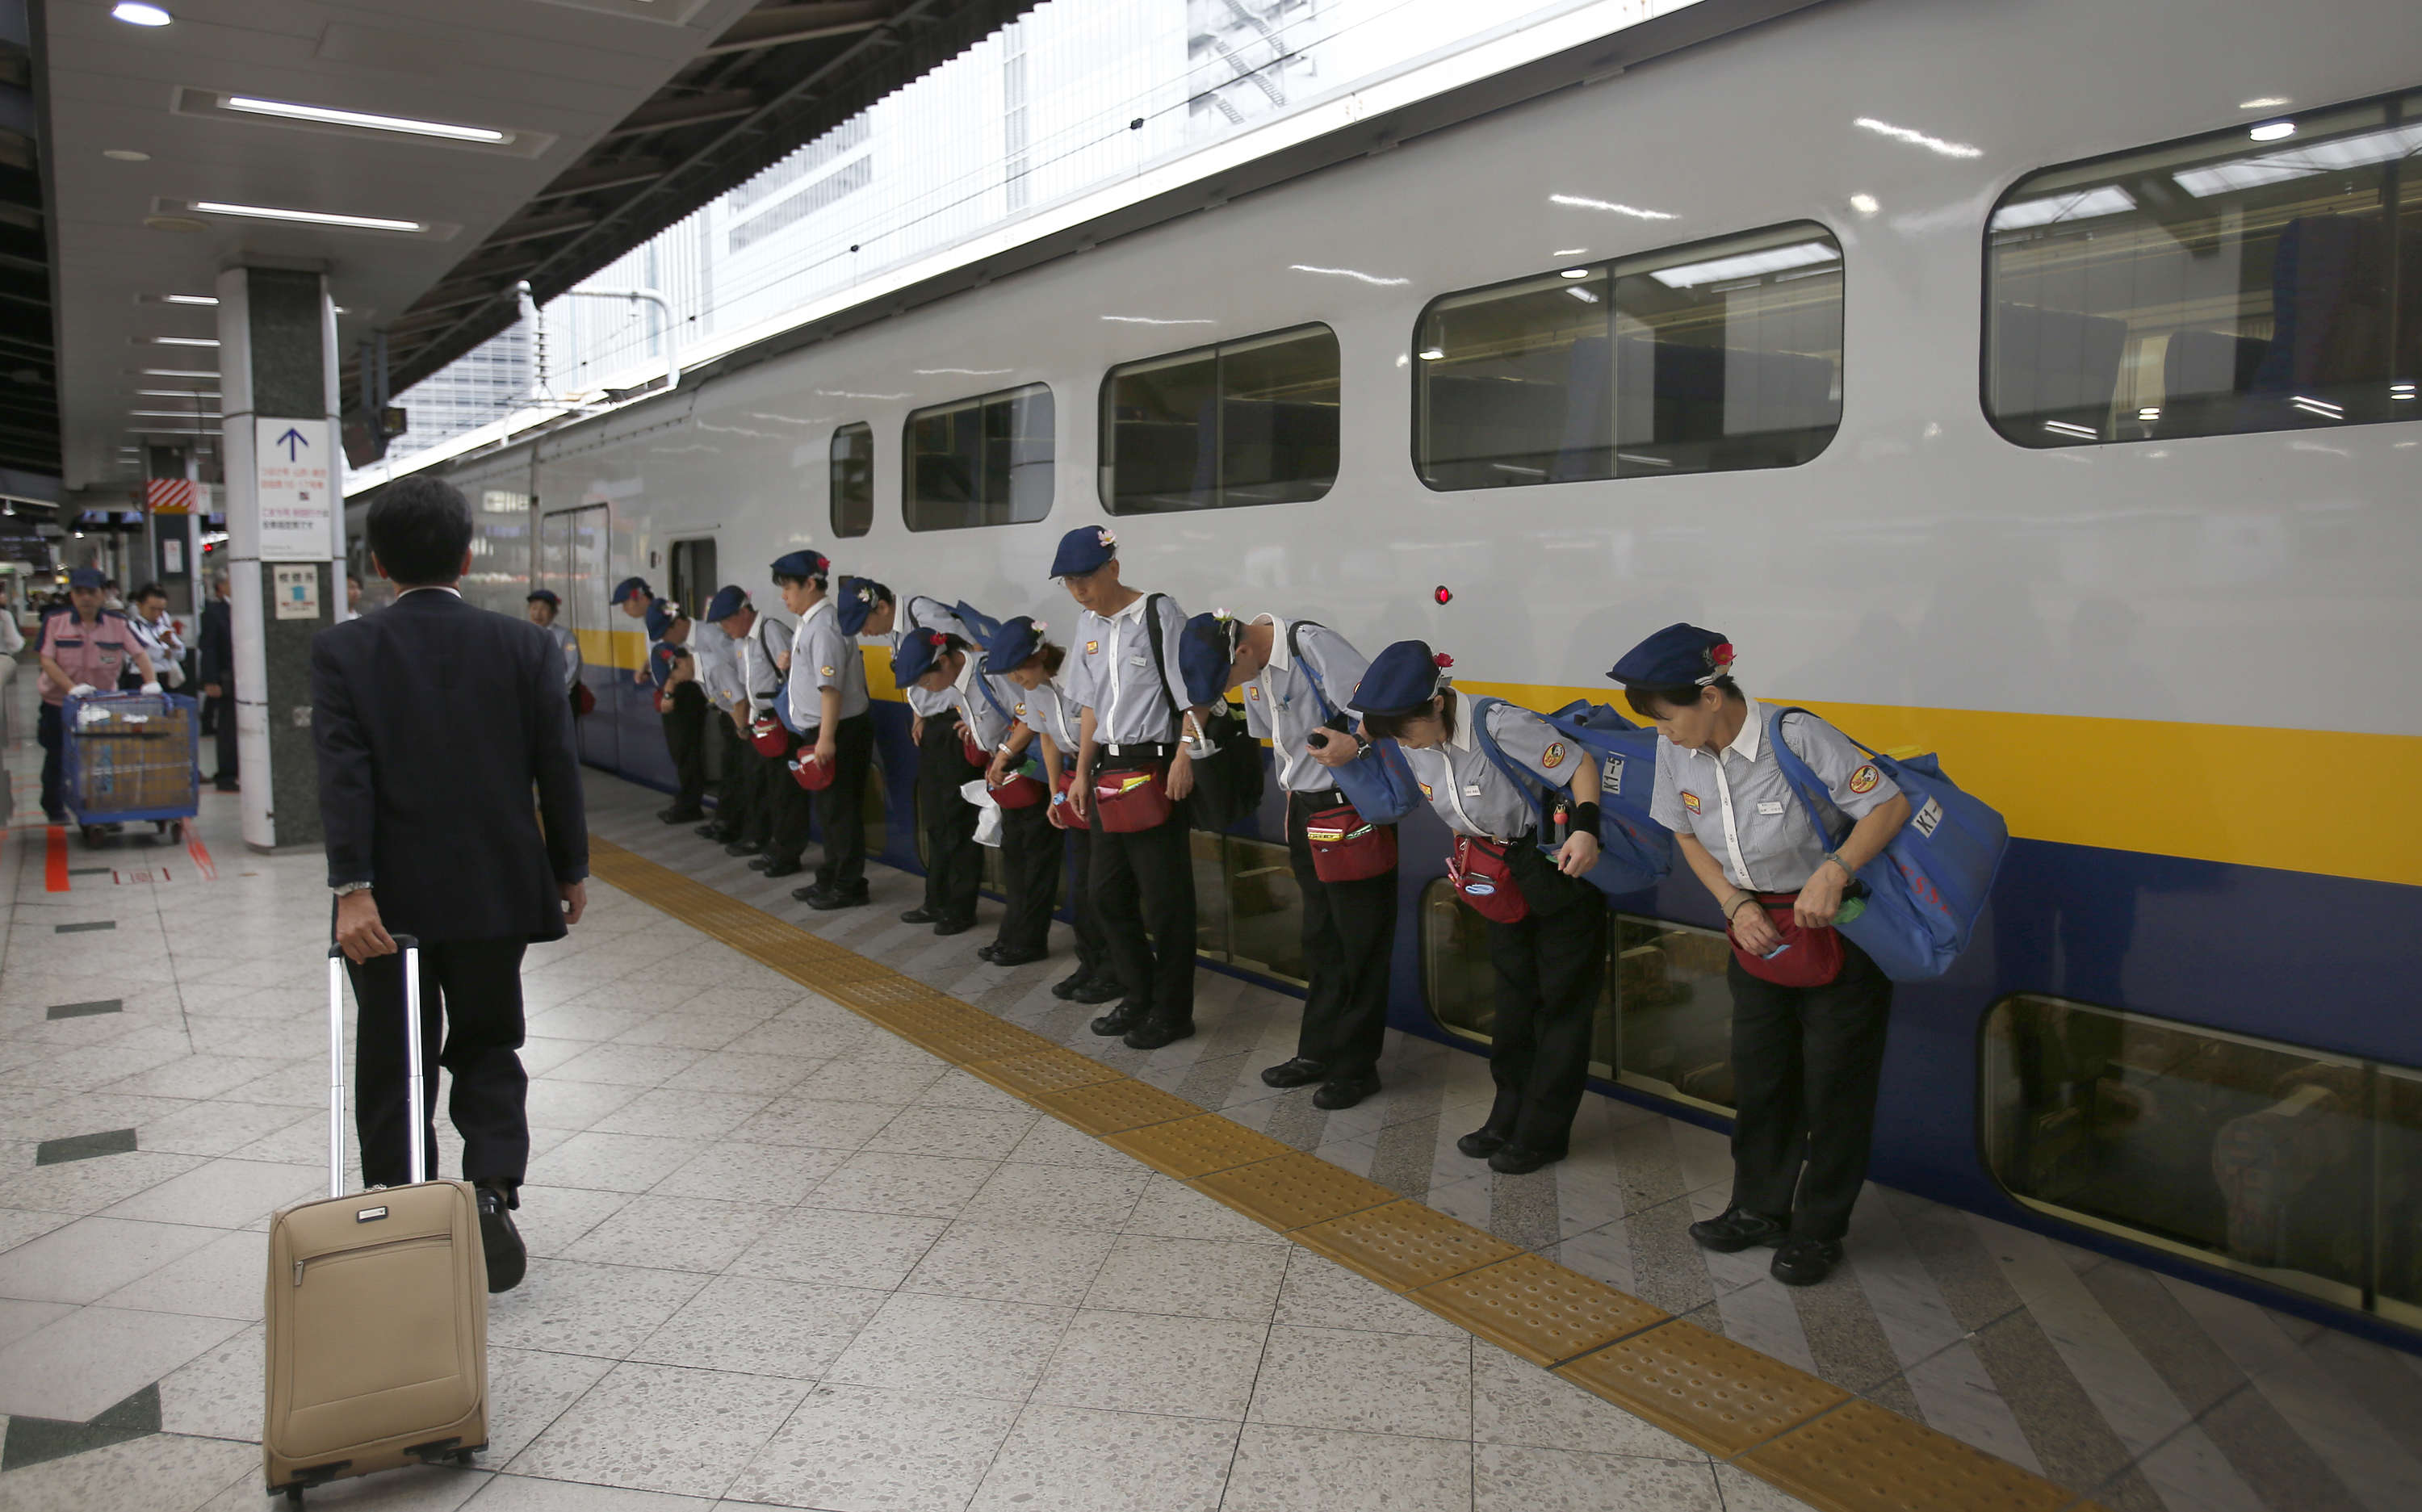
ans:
x=377 y=1305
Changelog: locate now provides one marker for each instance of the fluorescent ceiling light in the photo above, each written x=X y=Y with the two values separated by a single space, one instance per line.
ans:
x=1748 y=264
x=2266 y=102
x=2363 y=150
x=968 y=373
x=1432 y=353
x=307 y=217
x=2272 y=131
x=178 y=373
x=173 y=393
x=2082 y=204
x=135 y=14
x=1349 y=273
x=177 y=415
x=1581 y=202
x=290 y=111
x=2082 y=433
x=185 y=340
x=1918 y=138
x=1147 y=320
x=188 y=299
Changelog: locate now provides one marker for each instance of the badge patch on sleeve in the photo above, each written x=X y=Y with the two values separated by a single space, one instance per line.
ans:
x=1689 y=800
x=823 y=672
x=1865 y=777
x=1552 y=756
x=1426 y=793
x=1092 y=647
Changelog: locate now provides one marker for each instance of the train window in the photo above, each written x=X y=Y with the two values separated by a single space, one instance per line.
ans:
x=1244 y=422
x=2260 y=278
x=2302 y=1168
x=983 y=461
x=1712 y=358
x=693 y=576
x=853 y=480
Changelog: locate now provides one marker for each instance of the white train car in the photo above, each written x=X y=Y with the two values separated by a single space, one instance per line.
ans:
x=2034 y=383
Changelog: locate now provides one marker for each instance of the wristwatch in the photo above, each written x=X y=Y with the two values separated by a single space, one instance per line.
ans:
x=343 y=889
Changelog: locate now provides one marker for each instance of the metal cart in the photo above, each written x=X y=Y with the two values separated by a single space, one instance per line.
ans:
x=127 y=757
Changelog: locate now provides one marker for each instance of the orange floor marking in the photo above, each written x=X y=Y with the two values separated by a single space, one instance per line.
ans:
x=54 y=860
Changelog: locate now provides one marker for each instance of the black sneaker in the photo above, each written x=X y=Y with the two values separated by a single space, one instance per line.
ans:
x=1737 y=1228
x=1514 y=1161
x=1806 y=1262
x=1125 y=1016
x=1295 y=1072
x=824 y=900
x=1482 y=1142
x=1344 y=1092
x=1068 y=986
x=501 y=1240
x=1156 y=1030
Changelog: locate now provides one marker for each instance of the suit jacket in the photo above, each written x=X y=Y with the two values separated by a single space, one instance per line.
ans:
x=216 y=652
x=433 y=720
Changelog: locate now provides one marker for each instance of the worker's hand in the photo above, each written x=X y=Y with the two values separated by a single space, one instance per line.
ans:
x=209 y=690
x=575 y=902
x=151 y=687
x=827 y=747
x=917 y=730
x=996 y=771
x=1752 y=930
x=1333 y=749
x=1181 y=774
x=82 y=690
x=1577 y=854
x=1081 y=795
x=359 y=932
x=1820 y=897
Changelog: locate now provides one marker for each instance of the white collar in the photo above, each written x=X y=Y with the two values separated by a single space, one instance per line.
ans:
x=1134 y=611
x=814 y=609
x=1467 y=716
x=973 y=657
x=1280 y=661
x=431 y=588
x=1745 y=745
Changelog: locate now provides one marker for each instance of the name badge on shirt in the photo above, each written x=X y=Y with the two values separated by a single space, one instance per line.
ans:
x=1135 y=661
x=1769 y=808
x=1472 y=790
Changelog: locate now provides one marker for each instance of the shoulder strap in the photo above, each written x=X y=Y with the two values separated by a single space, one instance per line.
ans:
x=1160 y=666
x=1531 y=785
x=1803 y=777
x=983 y=684
x=1295 y=649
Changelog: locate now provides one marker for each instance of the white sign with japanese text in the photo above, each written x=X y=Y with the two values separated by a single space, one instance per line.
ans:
x=298 y=500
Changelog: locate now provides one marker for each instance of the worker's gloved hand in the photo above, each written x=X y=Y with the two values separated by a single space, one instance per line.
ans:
x=82 y=690
x=151 y=687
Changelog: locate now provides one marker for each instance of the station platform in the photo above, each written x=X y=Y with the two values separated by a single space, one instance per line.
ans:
x=826 y=1213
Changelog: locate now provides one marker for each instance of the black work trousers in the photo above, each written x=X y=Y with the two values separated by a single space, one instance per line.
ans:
x=735 y=779
x=1143 y=889
x=1029 y=875
x=47 y=728
x=841 y=808
x=685 y=723
x=1805 y=1066
x=470 y=1024
x=1350 y=937
x=227 y=769
x=1550 y=969
x=784 y=809
x=953 y=861
x=1092 y=940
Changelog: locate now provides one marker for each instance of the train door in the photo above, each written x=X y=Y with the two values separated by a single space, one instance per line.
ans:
x=572 y=561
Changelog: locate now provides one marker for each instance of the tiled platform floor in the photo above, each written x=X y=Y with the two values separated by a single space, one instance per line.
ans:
x=782 y=1257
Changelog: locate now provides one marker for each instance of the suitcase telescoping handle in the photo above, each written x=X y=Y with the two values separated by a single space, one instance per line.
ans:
x=413 y=1119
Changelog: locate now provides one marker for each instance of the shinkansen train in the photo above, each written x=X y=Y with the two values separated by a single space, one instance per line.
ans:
x=2033 y=384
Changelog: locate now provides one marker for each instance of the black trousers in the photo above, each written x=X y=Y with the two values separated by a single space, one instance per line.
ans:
x=471 y=1019
x=225 y=731
x=686 y=742
x=1092 y=940
x=1350 y=937
x=1805 y=1066
x=1143 y=890
x=1550 y=970
x=785 y=809
x=953 y=861
x=47 y=728
x=1030 y=872
x=841 y=808
x=735 y=781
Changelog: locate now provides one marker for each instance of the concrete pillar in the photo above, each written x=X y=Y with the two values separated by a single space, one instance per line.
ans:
x=277 y=377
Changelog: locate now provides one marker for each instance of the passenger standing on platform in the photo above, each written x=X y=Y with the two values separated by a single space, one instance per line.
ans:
x=758 y=643
x=828 y=695
x=434 y=722
x=544 y=611
x=1550 y=962
x=84 y=647
x=632 y=595
x=215 y=667
x=1017 y=666
x=158 y=633
x=680 y=707
x=729 y=755
x=353 y=596
x=938 y=665
x=1133 y=728
x=1297 y=677
x=1046 y=715
x=1808 y=1034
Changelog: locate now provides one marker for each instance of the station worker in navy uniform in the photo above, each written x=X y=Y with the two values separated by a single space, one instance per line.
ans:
x=681 y=706
x=754 y=650
x=633 y=596
x=1031 y=664
x=828 y=693
x=1550 y=964
x=933 y=662
x=1297 y=677
x=1135 y=719
x=1806 y=1060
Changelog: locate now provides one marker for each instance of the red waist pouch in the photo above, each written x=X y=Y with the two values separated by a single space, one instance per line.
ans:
x=1484 y=878
x=814 y=772
x=1063 y=813
x=1346 y=847
x=1809 y=957
x=1131 y=800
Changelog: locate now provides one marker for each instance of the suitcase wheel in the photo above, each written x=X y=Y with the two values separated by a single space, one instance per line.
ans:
x=294 y=1496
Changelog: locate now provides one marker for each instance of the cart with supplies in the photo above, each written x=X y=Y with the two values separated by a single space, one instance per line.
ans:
x=127 y=757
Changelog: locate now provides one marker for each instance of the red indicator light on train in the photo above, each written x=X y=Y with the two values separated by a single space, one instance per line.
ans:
x=1442 y=594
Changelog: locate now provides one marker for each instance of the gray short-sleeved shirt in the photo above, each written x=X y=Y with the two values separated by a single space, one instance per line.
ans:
x=925 y=613
x=984 y=702
x=1048 y=711
x=823 y=657
x=1112 y=673
x=1468 y=790
x=718 y=665
x=1743 y=809
x=760 y=671
x=1281 y=705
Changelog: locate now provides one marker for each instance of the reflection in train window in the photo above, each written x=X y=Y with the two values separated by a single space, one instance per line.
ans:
x=1714 y=358
x=983 y=461
x=1248 y=911
x=853 y=480
x=2298 y=1167
x=1245 y=422
x=2260 y=278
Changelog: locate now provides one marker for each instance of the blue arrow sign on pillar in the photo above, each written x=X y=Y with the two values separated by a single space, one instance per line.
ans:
x=292 y=441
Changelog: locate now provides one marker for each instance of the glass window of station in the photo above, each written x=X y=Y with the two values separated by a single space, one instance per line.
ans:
x=853 y=480
x=981 y=461
x=1713 y=357
x=2267 y=278
x=1244 y=422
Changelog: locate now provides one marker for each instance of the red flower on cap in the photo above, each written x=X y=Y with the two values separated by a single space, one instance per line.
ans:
x=1720 y=655
x=1443 y=660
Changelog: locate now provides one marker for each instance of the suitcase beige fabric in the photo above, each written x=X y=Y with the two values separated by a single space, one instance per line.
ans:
x=377 y=1306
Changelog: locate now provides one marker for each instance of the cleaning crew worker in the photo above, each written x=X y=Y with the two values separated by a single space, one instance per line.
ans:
x=801 y=577
x=1551 y=963
x=632 y=595
x=1049 y=720
x=1132 y=735
x=756 y=642
x=827 y=694
x=681 y=706
x=933 y=662
x=84 y=648
x=1297 y=677
x=1808 y=1033
x=728 y=761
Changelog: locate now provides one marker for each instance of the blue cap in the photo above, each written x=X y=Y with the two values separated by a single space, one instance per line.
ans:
x=854 y=601
x=545 y=596
x=1082 y=550
x=1401 y=679
x=916 y=654
x=1206 y=648
x=729 y=600
x=1017 y=640
x=661 y=615
x=801 y=564
x=85 y=577
x=1679 y=656
x=629 y=586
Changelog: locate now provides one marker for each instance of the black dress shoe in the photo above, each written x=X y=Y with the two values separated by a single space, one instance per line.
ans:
x=824 y=900
x=809 y=894
x=758 y=863
x=1806 y=1262
x=781 y=868
x=1295 y=1072
x=1344 y=1092
x=1104 y=988
x=986 y=953
x=1482 y=1142
x=1156 y=1030
x=743 y=847
x=1125 y=1016
x=679 y=814
x=1737 y=1228
x=716 y=834
x=1014 y=958
x=1514 y=1161
x=1067 y=985
x=953 y=927
x=507 y=1257
x=918 y=915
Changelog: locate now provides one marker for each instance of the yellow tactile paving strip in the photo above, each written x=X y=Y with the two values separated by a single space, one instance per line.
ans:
x=1782 y=1425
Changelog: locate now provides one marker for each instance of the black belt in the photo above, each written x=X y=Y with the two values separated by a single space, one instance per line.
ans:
x=1131 y=754
x=1325 y=798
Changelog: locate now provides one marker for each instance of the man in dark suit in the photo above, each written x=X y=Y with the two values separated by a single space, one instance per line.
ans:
x=216 y=674
x=434 y=720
